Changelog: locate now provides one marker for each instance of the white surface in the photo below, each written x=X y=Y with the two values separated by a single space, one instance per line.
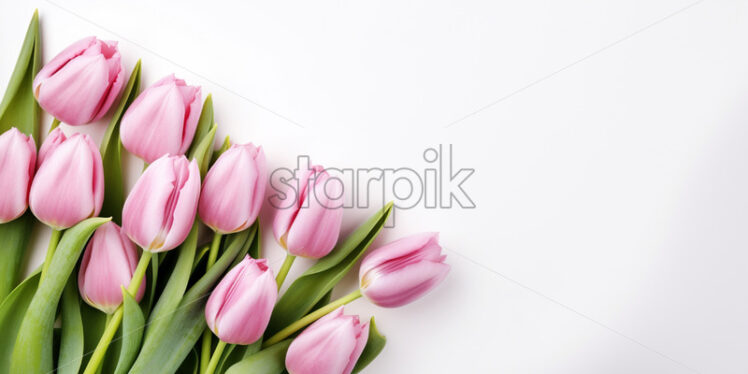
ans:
x=611 y=184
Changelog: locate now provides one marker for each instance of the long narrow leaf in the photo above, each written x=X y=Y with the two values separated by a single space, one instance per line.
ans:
x=270 y=360
x=71 y=338
x=111 y=152
x=19 y=109
x=12 y=311
x=33 y=349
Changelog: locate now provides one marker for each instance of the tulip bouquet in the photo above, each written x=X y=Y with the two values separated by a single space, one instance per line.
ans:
x=130 y=282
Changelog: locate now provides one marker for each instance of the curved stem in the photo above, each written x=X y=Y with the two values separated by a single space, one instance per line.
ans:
x=216 y=357
x=215 y=245
x=54 y=239
x=111 y=327
x=283 y=271
x=311 y=317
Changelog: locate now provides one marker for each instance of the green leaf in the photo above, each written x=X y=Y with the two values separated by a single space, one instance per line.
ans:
x=204 y=150
x=132 y=333
x=167 y=346
x=224 y=147
x=92 y=329
x=204 y=123
x=111 y=152
x=271 y=360
x=311 y=287
x=254 y=245
x=14 y=236
x=33 y=350
x=374 y=345
x=152 y=278
x=235 y=353
x=19 y=109
x=175 y=287
x=255 y=250
x=191 y=364
x=12 y=310
x=71 y=339
x=202 y=143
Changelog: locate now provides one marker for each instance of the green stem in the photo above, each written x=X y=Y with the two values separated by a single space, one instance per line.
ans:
x=311 y=317
x=206 y=349
x=54 y=125
x=216 y=357
x=54 y=239
x=215 y=245
x=116 y=319
x=283 y=271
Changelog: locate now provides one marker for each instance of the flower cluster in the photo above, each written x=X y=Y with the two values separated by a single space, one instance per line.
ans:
x=236 y=291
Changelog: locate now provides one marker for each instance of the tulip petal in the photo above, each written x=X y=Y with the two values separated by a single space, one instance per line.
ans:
x=17 y=165
x=410 y=245
x=316 y=228
x=404 y=286
x=361 y=338
x=108 y=264
x=68 y=187
x=182 y=215
x=233 y=190
x=331 y=345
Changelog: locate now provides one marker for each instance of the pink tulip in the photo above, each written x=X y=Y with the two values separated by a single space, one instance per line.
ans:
x=162 y=120
x=159 y=212
x=17 y=165
x=80 y=84
x=108 y=263
x=332 y=345
x=233 y=189
x=69 y=183
x=238 y=310
x=308 y=223
x=402 y=271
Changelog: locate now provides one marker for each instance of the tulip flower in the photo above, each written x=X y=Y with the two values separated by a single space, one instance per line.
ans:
x=80 y=84
x=307 y=224
x=402 y=271
x=310 y=226
x=239 y=308
x=17 y=165
x=233 y=189
x=69 y=184
x=159 y=212
x=162 y=119
x=108 y=265
x=331 y=345
x=390 y=276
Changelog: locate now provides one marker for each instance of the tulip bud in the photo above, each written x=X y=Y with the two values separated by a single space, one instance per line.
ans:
x=238 y=310
x=159 y=212
x=162 y=120
x=69 y=183
x=331 y=345
x=17 y=165
x=80 y=84
x=308 y=222
x=402 y=271
x=233 y=189
x=108 y=263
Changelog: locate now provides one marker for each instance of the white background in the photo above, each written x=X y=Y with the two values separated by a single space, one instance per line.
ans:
x=609 y=146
